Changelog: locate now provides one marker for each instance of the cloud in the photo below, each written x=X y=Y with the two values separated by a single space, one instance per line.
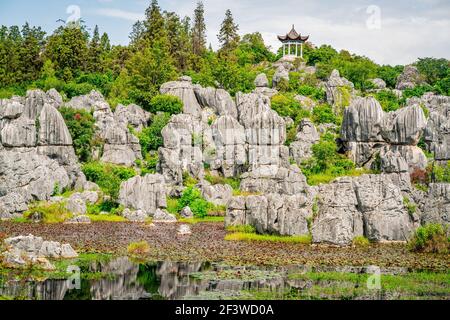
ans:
x=121 y=14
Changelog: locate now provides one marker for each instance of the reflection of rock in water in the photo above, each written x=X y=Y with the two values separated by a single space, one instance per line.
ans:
x=175 y=280
x=47 y=290
x=122 y=285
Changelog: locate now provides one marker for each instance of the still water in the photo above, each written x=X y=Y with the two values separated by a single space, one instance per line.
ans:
x=121 y=278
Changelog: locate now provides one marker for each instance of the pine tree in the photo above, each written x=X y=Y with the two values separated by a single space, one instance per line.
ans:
x=95 y=52
x=228 y=36
x=199 y=30
x=105 y=43
x=137 y=33
x=154 y=25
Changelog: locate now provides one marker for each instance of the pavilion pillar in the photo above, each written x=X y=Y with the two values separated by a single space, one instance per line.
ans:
x=289 y=44
x=296 y=49
x=301 y=50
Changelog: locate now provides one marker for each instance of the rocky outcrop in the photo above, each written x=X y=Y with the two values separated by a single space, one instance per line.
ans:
x=218 y=194
x=409 y=78
x=147 y=193
x=184 y=89
x=134 y=216
x=437 y=204
x=132 y=115
x=282 y=73
x=306 y=137
x=369 y=205
x=378 y=83
x=270 y=213
x=261 y=81
x=218 y=100
x=437 y=131
x=163 y=216
x=26 y=251
x=367 y=131
x=339 y=92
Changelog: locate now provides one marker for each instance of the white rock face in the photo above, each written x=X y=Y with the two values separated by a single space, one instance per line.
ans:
x=23 y=251
x=146 y=193
x=273 y=213
x=217 y=99
x=306 y=137
x=184 y=89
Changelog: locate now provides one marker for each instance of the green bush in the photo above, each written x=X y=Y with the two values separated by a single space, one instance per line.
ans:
x=73 y=89
x=50 y=212
x=442 y=173
x=81 y=127
x=388 y=100
x=430 y=238
x=286 y=106
x=166 y=103
x=150 y=138
x=107 y=176
x=311 y=92
x=324 y=114
x=360 y=241
x=192 y=197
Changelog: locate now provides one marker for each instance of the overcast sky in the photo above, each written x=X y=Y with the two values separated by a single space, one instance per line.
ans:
x=389 y=32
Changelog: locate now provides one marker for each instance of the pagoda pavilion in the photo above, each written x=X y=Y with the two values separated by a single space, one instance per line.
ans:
x=292 y=40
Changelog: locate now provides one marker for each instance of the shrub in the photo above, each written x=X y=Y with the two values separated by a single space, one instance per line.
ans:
x=166 y=103
x=81 y=127
x=388 y=100
x=49 y=212
x=360 y=241
x=73 y=89
x=311 y=92
x=150 y=138
x=430 y=238
x=138 y=249
x=107 y=176
x=442 y=173
x=410 y=207
x=419 y=176
x=324 y=114
x=192 y=197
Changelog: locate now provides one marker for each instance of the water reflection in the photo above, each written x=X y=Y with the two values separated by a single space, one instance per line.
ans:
x=125 y=279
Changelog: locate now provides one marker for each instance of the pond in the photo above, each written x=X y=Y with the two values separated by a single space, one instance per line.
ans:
x=121 y=278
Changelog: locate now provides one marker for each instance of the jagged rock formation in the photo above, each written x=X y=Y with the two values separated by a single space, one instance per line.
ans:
x=437 y=131
x=147 y=193
x=339 y=92
x=378 y=83
x=307 y=135
x=273 y=213
x=436 y=208
x=367 y=131
x=409 y=78
x=369 y=205
x=184 y=90
x=120 y=145
x=218 y=194
x=36 y=152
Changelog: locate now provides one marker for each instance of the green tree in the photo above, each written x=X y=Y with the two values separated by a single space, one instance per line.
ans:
x=253 y=50
x=199 y=30
x=433 y=69
x=95 y=52
x=228 y=35
x=154 y=25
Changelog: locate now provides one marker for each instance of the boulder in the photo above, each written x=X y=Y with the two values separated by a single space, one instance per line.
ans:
x=218 y=100
x=409 y=78
x=132 y=115
x=135 y=216
x=186 y=212
x=147 y=193
x=163 y=216
x=378 y=83
x=281 y=73
x=437 y=204
x=261 y=81
x=184 y=89
x=271 y=213
x=76 y=204
x=218 y=194
x=184 y=229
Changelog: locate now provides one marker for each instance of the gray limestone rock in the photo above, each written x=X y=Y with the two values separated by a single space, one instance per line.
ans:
x=163 y=216
x=135 y=216
x=261 y=81
x=218 y=100
x=147 y=193
x=409 y=78
x=404 y=126
x=306 y=137
x=184 y=90
x=186 y=212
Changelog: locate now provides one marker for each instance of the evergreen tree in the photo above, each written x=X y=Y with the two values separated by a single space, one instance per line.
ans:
x=105 y=43
x=228 y=36
x=137 y=32
x=95 y=52
x=154 y=25
x=199 y=30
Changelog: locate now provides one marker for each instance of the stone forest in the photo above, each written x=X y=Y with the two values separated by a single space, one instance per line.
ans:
x=167 y=170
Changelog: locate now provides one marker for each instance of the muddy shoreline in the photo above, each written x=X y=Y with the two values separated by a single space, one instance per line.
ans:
x=206 y=243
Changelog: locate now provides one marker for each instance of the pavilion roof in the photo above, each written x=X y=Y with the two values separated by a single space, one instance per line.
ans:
x=293 y=35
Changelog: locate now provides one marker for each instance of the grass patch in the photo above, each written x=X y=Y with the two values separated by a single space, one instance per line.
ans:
x=361 y=241
x=431 y=238
x=172 y=205
x=49 y=212
x=138 y=249
x=241 y=236
x=106 y=218
x=202 y=220
x=329 y=176
x=241 y=228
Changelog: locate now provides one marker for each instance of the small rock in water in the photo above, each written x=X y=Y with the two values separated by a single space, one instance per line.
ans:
x=184 y=229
